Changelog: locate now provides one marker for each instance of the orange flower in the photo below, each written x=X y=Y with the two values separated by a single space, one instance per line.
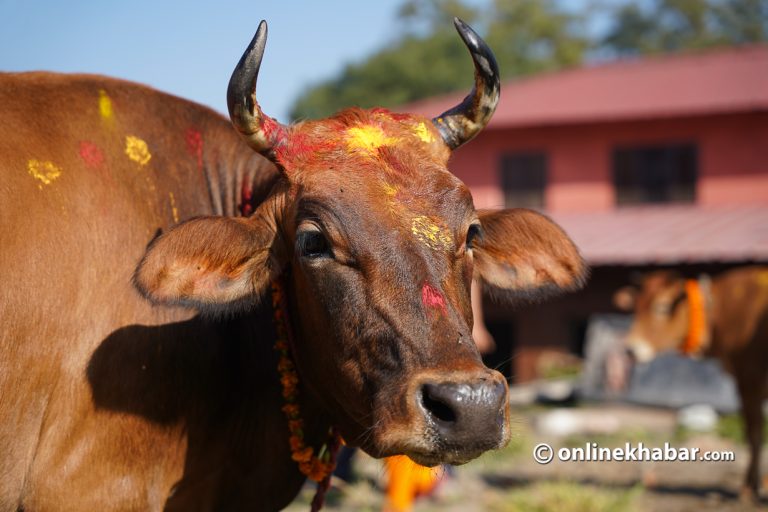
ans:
x=296 y=443
x=305 y=467
x=303 y=455
x=291 y=410
x=289 y=379
x=281 y=345
x=319 y=470
x=295 y=426
x=284 y=365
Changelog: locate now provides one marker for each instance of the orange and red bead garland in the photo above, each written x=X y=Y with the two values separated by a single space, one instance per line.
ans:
x=316 y=467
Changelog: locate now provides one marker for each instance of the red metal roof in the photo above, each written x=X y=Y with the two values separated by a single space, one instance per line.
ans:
x=670 y=234
x=722 y=81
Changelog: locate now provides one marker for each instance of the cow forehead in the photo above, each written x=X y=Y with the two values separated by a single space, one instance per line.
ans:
x=660 y=285
x=366 y=142
x=375 y=166
x=660 y=282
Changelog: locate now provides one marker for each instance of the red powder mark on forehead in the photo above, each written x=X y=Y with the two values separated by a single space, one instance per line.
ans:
x=194 y=140
x=300 y=145
x=432 y=298
x=395 y=116
x=367 y=141
x=91 y=154
x=273 y=131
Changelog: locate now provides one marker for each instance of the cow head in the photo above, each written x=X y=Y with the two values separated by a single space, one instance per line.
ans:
x=378 y=245
x=661 y=314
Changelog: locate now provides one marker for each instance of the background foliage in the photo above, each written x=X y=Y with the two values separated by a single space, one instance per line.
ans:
x=527 y=37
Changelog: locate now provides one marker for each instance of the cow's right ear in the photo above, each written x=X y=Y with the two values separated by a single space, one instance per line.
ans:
x=523 y=255
x=212 y=263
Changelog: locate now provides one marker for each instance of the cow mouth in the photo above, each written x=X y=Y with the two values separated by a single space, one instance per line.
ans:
x=427 y=449
x=452 y=457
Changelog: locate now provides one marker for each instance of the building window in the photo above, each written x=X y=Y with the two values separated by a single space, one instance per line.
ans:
x=655 y=174
x=523 y=179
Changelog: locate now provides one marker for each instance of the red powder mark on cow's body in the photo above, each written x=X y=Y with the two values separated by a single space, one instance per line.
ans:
x=91 y=154
x=432 y=298
x=246 y=200
x=194 y=141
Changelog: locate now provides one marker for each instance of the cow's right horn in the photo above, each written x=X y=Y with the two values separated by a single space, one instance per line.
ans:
x=459 y=124
x=260 y=131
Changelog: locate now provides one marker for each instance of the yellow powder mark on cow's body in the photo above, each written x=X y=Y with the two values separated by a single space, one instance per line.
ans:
x=137 y=150
x=423 y=133
x=431 y=234
x=368 y=138
x=105 y=105
x=174 y=210
x=44 y=171
x=762 y=278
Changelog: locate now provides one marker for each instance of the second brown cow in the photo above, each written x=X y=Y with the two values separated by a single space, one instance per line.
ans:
x=725 y=317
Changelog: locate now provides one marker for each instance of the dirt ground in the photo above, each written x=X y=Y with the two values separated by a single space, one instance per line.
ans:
x=510 y=480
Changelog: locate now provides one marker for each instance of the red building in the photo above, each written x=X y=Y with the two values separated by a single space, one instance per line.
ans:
x=652 y=162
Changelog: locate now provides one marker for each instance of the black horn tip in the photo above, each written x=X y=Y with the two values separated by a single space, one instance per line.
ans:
x=481 y=53
x=462 y=122
x=260 y=131
x=242 y=84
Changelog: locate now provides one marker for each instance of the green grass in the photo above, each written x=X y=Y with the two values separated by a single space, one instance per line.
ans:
x=567 y=497
x=729 y=426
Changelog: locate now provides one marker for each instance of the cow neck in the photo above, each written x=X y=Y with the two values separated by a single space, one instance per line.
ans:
x=317 y=467
x=698 y=295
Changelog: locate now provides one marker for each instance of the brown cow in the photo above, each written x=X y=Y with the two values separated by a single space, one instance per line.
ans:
x=725 y=317
x=109 y=402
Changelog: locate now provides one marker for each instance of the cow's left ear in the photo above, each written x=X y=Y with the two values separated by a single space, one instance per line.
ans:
x=524 y=255
x=212 y=263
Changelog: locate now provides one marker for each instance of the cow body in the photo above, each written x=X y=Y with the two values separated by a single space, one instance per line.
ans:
x=124 y=211
x=90 y=371
x=735 y=330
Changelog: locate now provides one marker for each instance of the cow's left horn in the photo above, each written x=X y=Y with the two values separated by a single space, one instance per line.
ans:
x=459 y=124
x=260 y=131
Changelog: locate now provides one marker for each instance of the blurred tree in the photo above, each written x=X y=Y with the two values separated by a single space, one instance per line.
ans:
x=673 y=25
x=527 y=36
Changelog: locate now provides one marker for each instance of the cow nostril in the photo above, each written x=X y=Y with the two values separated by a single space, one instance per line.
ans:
x=435 y=406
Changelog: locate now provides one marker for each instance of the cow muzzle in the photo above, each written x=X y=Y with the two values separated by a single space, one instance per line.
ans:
x=462 y=416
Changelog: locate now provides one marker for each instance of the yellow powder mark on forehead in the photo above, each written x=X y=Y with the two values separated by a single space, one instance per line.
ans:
x=137 y=150
x=423 y=133
x=390 y=190
x=762 y=278
x=368 y=138
x=430 y=233
x=105 y=105
x=43 y=171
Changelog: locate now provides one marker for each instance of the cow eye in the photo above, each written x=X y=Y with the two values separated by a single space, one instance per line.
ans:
x=313 y=244
x=474 y=234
